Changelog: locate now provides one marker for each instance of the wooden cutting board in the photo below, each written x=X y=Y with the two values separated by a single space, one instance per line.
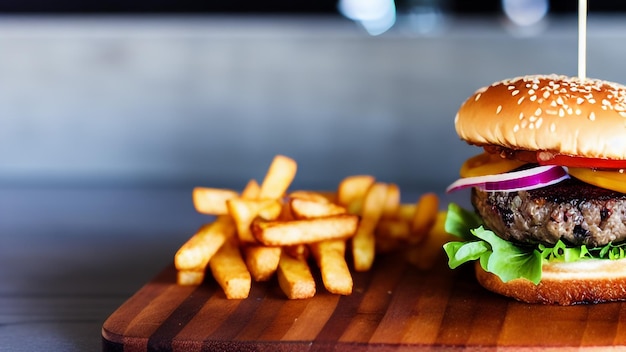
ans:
x=395 y=306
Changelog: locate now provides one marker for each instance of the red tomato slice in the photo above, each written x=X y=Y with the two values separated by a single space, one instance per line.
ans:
x=577 y=161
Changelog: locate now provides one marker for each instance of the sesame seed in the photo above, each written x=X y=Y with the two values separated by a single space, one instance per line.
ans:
x=520 y=100
x=561 y=112
x=515 y=92
x=578 y=112
x=531 y=91
x=538 y=112
x=622 y=113
x=546 y=94
x=580 y=101
x=477 y=97
x=539 y=122
x=552 y=127
x=532 y=118
x=498 y=109
x=521 y=115
x=516 y=128
x=533 y=97
x=511 y=87
x=592 y=116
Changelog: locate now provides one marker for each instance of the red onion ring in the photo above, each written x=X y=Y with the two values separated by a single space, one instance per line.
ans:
x=537 y=177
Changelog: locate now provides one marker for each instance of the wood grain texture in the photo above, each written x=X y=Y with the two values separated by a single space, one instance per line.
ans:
x=394 y=307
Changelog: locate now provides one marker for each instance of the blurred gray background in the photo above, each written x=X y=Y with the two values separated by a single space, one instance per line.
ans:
x=107 y=120
x=180 y=101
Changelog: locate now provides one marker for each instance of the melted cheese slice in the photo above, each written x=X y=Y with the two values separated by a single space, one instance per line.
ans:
x=488 y=164
x=613 y=180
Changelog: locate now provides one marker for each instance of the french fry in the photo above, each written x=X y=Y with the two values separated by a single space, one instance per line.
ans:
x=295 y=278
x=190 y=277
x=298 y=251
x=252 y=190
x=244 y=211
x=212 y=201
x=425 y=255
x=353 y=188
x=392 y=201
x=198 y=250
x=262 y=261
x=270 y=209
x=393 y=228
x=406 y=212
x=230 y=271
x=331 y=196
x=285 y=233
x=278 y=177
x=286 y=214
x=306 y=209
x=363 y=242
x=425 y=216
x=312 y=196
x=330 y=258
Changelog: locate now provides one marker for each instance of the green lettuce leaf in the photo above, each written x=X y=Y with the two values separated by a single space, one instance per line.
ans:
x=509 y=261
x=460 y=222
x=505 y=259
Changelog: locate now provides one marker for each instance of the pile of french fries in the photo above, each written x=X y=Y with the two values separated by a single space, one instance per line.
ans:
x=267 y=230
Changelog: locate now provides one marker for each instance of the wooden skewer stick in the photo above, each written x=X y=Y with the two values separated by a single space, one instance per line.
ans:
x=582 y=38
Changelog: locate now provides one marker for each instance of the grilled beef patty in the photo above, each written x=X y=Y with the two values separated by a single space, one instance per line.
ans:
x=572 y=211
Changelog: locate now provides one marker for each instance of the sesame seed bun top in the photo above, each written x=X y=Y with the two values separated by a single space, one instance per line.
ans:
x=552 y=113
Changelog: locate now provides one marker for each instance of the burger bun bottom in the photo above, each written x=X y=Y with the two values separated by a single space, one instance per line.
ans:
x=585 y=281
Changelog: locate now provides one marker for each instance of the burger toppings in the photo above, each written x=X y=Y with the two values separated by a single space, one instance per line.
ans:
x=546 y=158
x=604 y=173
x=536 y=177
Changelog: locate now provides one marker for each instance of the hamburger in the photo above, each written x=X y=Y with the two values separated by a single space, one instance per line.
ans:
x=548 y=190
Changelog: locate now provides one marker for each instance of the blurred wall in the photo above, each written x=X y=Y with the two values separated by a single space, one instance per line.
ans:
x=210 y=100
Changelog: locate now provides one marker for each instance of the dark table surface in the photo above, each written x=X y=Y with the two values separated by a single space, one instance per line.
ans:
x=69 y=257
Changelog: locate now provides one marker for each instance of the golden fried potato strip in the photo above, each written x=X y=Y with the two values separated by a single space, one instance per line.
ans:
x=351 y=191
x=363 y=242
x=245 y=211
x=230 y=271
x=392 y=201
x=278 y=177
x=308 y=209
x=190 y=277
x=286 y=233
x=330 y=258
x=212 y=201
x=262 y=261
x=295 y=278
x=425 y=216
x=198 y=250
